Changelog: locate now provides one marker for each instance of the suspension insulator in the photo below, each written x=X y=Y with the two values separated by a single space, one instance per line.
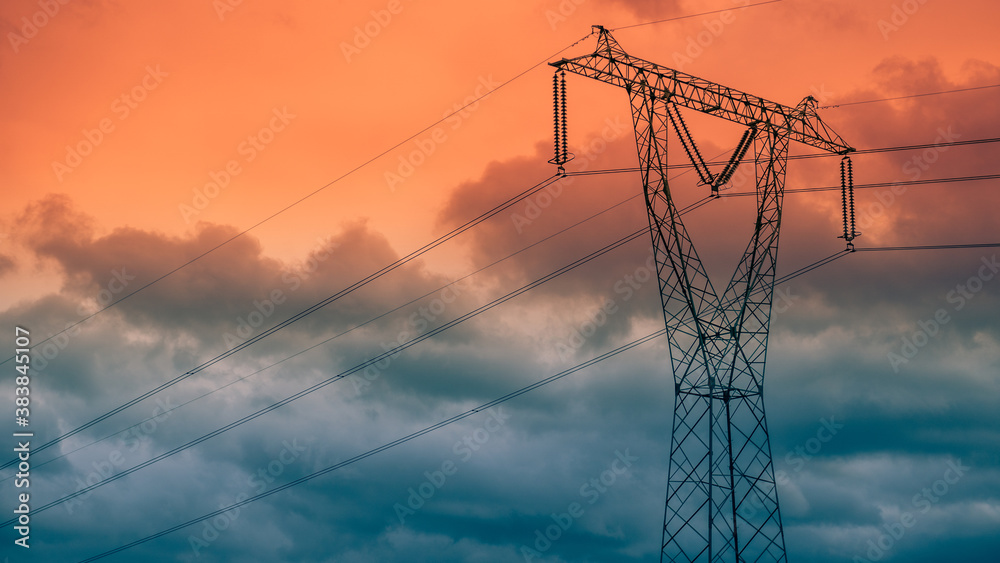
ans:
x=560 y=138
x=850 y=195
x=689 y=147
x=847 y=201
x=734 y=161
x=843 y=195
x=555 y=118
x=562 y=101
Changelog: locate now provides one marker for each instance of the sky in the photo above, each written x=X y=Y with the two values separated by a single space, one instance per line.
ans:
x=180 y=178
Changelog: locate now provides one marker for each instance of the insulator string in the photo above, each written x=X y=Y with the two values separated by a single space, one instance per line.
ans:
x=565 y=150
x=689 y=147
x=850 y=192
x=843 y=195
x=555 y=117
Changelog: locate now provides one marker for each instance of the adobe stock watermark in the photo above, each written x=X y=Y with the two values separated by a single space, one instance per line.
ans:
x=427 y=144
x=562 y=12
x=122 y=108
x=247 y=325
x=257 y=483
x=45 y=353
x=417 y=324
x=591 y=491
x=802 y=453
x=224 y=7
x=129 y=440
x=931 y=327
x=922 y=502
x=30 y=26
x=249 y=149
x=365 y=33
x=465 y=449
x=696 y=44
x=901 y=14
x=538 y=203
x=915 y=168
x=626 y=288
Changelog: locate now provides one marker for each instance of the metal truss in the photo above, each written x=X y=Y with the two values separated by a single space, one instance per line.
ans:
x=722 y=501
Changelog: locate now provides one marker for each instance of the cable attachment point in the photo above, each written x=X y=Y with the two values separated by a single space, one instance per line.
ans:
x=562 y=155
x=847 y=201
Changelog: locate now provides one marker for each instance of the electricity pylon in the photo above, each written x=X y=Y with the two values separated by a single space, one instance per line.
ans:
x=722 y=501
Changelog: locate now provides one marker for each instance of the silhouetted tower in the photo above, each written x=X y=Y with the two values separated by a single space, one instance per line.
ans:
x=722 y=502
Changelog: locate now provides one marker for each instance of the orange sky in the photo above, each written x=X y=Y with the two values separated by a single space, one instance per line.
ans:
x=220 y=76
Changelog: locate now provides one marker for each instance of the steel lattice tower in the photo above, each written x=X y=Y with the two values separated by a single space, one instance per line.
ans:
x=722 y=502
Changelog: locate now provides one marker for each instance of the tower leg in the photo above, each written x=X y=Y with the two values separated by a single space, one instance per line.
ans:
x=721 y=497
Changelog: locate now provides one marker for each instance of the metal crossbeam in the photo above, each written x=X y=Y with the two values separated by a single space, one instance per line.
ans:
x=722 y=502
x=611 y=64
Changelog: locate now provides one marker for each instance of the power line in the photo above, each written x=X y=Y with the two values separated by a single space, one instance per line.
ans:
x=338 y=335
x=929 y=247
x=910 y=96
x=382 y=448
x=372 y=361
x=734 y=8
x=926 y=181
x=423 y=431
x=305 y=197
x=614 y=245
x=806 y=269
x=305 y=312
x=682 y=212
x=802 y=156
x=434 y=124
x=345 y=175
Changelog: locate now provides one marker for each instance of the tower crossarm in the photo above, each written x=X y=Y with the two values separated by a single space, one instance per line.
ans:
x=611 y=64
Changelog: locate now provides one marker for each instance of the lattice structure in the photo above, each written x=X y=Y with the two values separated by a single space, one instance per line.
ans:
x=722 y=502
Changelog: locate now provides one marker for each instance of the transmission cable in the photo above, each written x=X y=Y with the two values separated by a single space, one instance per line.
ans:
x=334 y=337
x=734 y=8
x=682 y=212
x=305 y=312
x=391 y=352
x=309 y=195
x=910 y=96
x=394 y=443
x=446 y=422
x=929 y=247
x=801 y=156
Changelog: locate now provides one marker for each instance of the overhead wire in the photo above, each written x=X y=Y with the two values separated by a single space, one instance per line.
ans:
x=694 y=206
x=86 y=318
x=427 y=429
x=687 y=209
x=480 y=408
x=802 y=156
x=307 y=196
x=873 y=185
x=835 y=106
x=359 y=367
x=334 y=337
x=394 y=443
x=303 y=313
x=928 y=247
x=734 y=8
x=371 y=361
x=702 y=202
x=698 y=204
